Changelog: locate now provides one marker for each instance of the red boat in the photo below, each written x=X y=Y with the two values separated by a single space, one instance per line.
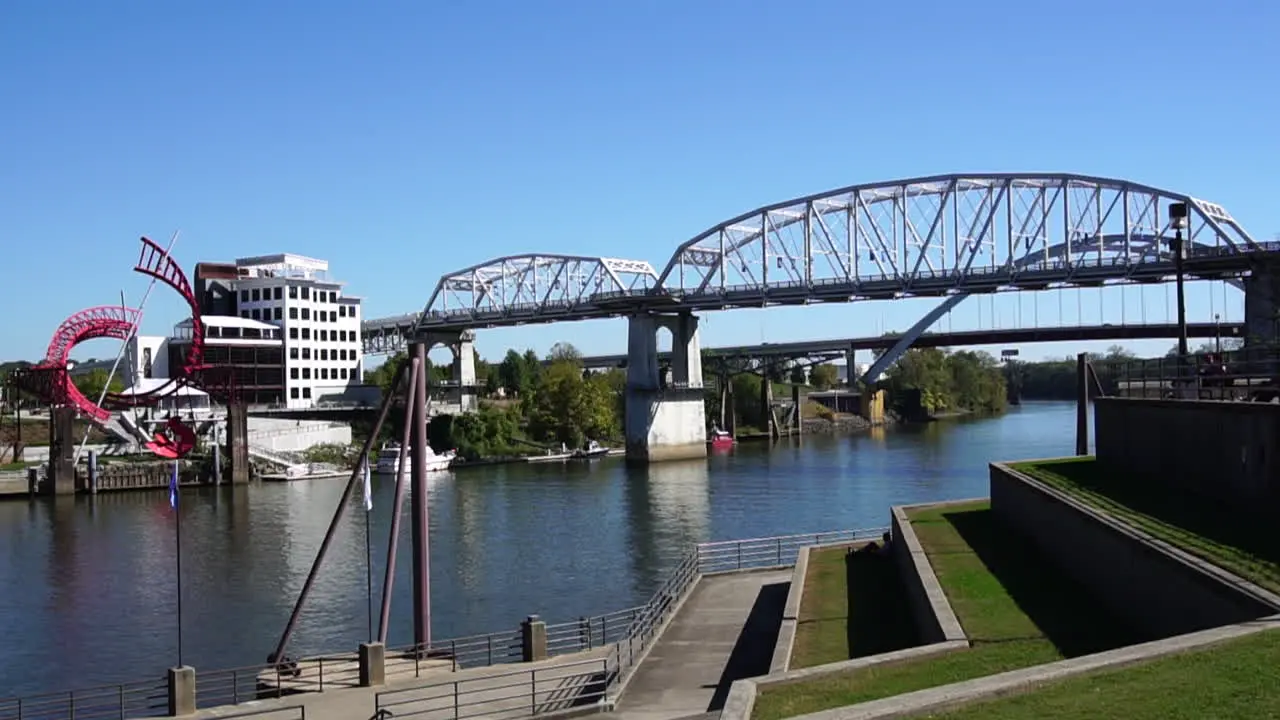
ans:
x=720 y=440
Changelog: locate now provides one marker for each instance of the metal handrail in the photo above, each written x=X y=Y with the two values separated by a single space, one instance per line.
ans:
x=137 y=699
x=532 y=691
x=1252 y=373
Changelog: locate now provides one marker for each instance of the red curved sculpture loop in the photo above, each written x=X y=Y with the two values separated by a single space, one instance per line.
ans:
x=49 y=379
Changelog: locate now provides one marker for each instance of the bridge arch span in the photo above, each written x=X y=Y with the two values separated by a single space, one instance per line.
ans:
x=1133 y=248
x=535 y=285
x=921 y=229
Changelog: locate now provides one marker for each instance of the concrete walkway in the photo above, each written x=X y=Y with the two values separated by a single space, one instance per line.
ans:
x=498 y=691
x=725 y=631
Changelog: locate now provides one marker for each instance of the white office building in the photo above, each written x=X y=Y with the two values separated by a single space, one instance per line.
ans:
x=319 y=324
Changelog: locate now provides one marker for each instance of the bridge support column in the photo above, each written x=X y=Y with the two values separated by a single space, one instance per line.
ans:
x=62 y=447
x=1262 y=304
x=466 y=393
x=766 y=404
x=1262 y=315
x=664 y=423
x=238 y=442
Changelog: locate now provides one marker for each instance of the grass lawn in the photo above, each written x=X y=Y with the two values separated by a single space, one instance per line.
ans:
x=1235 y=679
x=854 y=605
x=1185 y=520
x=1016 y=609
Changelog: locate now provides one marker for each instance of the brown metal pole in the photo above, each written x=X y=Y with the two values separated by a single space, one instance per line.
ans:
x=337 y=517
x=388 y=579
x=421 y=537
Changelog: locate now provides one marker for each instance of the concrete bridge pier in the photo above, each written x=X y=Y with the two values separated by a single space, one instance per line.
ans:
x=1262 y=315
x=466 y=393
x=664 y=421
x=62 y=449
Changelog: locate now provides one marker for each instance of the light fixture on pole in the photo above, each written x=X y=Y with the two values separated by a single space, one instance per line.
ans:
x=1178 y=221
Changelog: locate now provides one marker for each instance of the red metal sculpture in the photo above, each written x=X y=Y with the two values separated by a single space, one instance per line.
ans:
x=49 y=379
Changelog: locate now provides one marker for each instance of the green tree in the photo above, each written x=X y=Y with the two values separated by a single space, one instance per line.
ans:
x=513 y=373
x=568 y=406
x=93 y=382
x=824 y=376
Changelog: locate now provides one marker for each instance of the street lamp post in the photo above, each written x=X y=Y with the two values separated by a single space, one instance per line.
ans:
x=1178 y=221
x=1217 y=334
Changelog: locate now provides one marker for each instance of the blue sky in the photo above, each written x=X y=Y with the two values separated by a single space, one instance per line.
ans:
x=400 y=140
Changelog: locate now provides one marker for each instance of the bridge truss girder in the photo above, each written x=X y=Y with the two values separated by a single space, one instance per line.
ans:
x=532 y=288
x=953 y=229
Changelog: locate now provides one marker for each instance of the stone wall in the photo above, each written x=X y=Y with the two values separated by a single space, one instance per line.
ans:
x=1156 y=588
x=1223 y=450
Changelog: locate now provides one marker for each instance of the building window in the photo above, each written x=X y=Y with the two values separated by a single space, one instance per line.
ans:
x=306 y=353
x=275 y=293
x=306 y=293
x=293 y=373
x=306 y=313
x=306 y=373
x=324 y=373
x=342 y=311
x=306 y=333
x=293 y=393
x=256 y=314
x=293 y=333
x=324 y=354
x=244 y=314
x=293 y=292
x=244 y=296
x=293 y=353
x=306 y=393
x=344 y=373
x=351 y=312
x=278 y=312
x=293 y=313
x=257 y=294
x=342 y=335
x=342 y=354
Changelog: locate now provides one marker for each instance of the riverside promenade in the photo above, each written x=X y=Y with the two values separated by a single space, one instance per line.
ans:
x=724 y=631
x=715 y=620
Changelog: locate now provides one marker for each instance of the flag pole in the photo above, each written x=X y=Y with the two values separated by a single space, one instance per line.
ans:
x=177 y=541
x=368 y=546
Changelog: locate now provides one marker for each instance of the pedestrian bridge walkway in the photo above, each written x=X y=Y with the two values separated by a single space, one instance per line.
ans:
x=725 y=631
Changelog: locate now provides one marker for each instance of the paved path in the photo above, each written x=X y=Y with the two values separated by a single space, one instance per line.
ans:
x=500 y=691
x=725 y=631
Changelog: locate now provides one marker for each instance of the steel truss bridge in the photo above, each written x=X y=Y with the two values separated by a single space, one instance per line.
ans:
x=838 y=349
x=946 y=236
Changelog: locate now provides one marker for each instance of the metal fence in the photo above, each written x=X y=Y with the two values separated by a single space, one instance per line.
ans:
x=456 y=654
x=780 y=551
x=141 y=699
x=514 y=694
x=232 y=686
x=1251 y=375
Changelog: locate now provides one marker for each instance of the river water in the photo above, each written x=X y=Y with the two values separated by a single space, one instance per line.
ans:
x=88 y=592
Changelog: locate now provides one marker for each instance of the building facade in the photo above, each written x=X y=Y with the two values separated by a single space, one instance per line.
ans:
x=319 y=324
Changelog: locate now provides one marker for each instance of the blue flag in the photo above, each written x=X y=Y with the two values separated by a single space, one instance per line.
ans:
x=173 y=487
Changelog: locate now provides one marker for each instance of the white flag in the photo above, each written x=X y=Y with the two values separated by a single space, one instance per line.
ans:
x=368 y=487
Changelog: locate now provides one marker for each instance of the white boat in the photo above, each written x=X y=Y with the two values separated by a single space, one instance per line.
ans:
x=592 y=450
x=388 y=462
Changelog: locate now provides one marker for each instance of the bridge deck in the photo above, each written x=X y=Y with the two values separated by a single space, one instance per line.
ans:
x=725 y=631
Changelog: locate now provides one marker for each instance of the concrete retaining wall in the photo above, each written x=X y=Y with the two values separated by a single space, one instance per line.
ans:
x=1224 y=450
x=934 y=618
x=1157 y=588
